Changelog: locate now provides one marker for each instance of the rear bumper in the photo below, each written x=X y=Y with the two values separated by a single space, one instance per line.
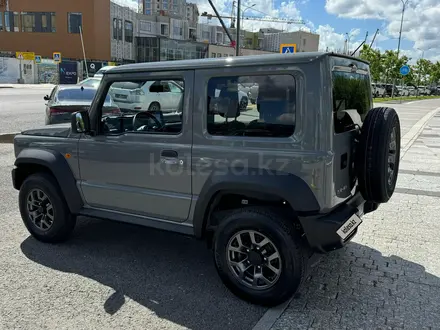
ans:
x=321 y=230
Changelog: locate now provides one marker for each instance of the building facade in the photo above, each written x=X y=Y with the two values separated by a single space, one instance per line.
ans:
x=47 y=26
x=227 y=51
x=305 y=41
x=164 y=7
x=124 y=24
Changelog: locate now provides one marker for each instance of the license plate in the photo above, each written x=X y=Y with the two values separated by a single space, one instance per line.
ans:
x=120 y=96
x=349 y=226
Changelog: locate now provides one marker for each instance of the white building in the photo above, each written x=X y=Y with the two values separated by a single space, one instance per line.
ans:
x=164 y=7
x=305 y=41
x=192 y=14
x=123 y=22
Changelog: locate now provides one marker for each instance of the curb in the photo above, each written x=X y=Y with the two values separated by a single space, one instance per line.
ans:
x=7 y=137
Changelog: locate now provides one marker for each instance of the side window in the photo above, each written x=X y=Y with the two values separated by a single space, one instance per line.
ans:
x=174 y=88
x=52 y=94
x=231 y=112
x=137 y=106
x=351 y=99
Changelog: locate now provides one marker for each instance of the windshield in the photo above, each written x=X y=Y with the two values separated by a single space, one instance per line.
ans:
x=78 y=95
x=91 y=83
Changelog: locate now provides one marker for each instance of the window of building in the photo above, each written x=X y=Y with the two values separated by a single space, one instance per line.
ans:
x=115 y=28
x=225 y=55
x=1 y=21
x=213 y=55
x=145 y=26
x=177 y=31
x=148 y=12
x=304 y=42
x=351 y=90
x=74 y=22
x=28 y=22
x=12 y=21
x=146 y=107
x=230 y=112
x=220 y=37
x=219 y=55
x=128 y=27
x=164 y=29
x=206 y=35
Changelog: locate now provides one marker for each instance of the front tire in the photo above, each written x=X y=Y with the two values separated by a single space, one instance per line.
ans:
x=259 y=256
x=44 y=210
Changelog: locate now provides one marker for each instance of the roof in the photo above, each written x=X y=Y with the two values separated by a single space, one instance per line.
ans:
x=209 y=63
x=72 y=86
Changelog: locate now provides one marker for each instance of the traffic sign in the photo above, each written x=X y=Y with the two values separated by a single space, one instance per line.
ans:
x=287 y=48
x=38 y=59
x=404 y=70
x=27 y=56
x=57 y=57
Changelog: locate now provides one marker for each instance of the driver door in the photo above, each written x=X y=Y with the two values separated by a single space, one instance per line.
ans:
x=143 y=173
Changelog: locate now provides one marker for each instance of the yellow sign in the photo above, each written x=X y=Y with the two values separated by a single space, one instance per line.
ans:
x=287 y=48
x=57 y=57
x=111 y=63
x=27 y=56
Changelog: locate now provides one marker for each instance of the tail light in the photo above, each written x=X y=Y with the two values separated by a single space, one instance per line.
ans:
x=137 y=91
x=56 y=111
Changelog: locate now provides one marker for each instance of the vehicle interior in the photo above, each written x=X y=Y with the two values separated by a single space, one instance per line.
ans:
x=274 y=115
x=143 y=121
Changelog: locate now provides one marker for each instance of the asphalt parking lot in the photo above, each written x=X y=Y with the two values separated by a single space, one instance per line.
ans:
x=114 y=276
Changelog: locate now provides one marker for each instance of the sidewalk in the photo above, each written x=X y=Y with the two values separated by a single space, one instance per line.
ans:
x=389 y=276
x=33 y=86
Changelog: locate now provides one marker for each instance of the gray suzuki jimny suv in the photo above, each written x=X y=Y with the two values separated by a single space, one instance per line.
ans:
x=265 y=185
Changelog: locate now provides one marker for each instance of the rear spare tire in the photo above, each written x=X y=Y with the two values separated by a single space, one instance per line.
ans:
x=379 y=154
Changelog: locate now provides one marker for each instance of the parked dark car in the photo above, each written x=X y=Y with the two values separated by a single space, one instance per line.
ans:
x=66 y=99
x=389 y=90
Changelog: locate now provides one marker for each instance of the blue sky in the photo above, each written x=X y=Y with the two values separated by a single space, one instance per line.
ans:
x=332 y=19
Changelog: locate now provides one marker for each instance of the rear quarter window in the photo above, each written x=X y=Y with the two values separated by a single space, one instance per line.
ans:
x=351 y=89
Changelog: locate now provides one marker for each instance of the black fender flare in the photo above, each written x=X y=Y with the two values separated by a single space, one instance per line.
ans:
x=58 y=166
x=286 y=186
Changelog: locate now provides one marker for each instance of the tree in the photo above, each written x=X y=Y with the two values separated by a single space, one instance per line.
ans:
x=374 y=58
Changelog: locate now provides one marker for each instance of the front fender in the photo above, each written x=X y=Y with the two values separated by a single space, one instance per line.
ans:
x=288 y=187
x=57 y=165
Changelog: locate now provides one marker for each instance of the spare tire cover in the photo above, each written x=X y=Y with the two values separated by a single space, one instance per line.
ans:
x=378 y=155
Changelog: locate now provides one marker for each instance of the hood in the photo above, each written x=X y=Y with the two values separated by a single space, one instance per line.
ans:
x=56 y=130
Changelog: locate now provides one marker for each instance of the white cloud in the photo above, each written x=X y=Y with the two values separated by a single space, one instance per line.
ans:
x=421 y=24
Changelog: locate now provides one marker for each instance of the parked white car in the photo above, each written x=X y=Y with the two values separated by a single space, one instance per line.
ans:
x=403 y=90
x=165 y=96
x=378 y=90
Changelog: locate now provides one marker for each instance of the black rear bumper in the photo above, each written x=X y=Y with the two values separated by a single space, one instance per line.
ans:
x=321 y=230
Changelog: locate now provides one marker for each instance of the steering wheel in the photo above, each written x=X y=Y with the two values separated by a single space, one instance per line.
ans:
x=149 y=116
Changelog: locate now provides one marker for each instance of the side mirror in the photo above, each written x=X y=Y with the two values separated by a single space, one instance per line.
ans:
x=80 y=122
x=46 y=98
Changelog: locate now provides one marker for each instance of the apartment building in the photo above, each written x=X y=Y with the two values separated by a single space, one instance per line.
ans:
x=124 y=24
x=164 y=7
x=192 y=14
x=47 y=26
x=305 y=41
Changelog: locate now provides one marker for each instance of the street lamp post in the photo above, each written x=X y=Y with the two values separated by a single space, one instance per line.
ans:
x=240 y=16
x=404 y=3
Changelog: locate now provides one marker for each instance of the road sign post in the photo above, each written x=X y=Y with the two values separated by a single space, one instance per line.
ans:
x=287 y=48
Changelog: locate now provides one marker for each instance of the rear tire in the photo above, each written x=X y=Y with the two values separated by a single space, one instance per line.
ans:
x=280 y=236
x=155 y=106
x=44 y=210
x=379 y=155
